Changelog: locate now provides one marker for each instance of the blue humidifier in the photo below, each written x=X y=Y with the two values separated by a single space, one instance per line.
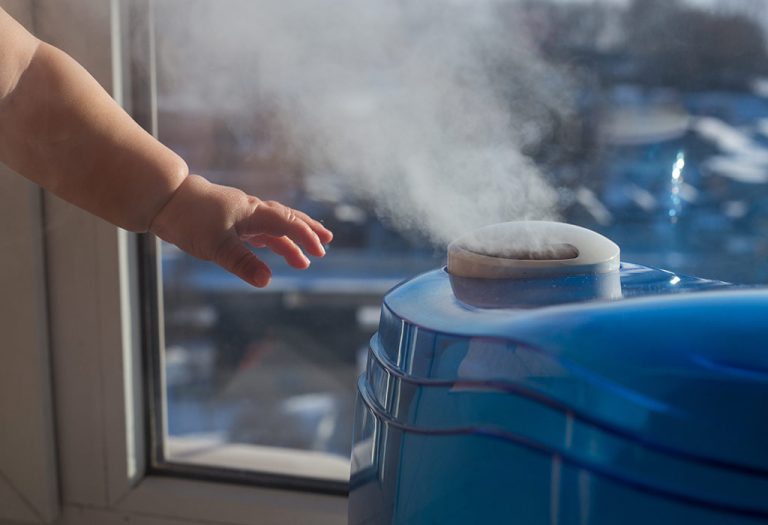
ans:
x=539 y=380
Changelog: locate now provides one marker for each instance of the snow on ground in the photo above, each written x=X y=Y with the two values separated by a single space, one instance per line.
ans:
x=726 y=137
x=760 y=87
x=742 y=158
x=737 y=169
x=592 y=204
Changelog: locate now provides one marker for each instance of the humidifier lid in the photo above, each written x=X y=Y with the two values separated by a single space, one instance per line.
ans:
x=531 y=249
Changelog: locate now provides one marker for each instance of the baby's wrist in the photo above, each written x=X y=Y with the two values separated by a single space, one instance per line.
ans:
x=153 y=188
x=174 y=205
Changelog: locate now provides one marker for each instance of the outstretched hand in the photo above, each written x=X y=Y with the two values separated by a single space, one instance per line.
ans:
x=215 y=223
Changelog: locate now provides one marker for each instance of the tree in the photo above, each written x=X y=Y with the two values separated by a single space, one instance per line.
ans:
x=689 y=48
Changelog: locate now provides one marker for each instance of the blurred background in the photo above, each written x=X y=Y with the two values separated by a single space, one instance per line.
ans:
x=649 y=124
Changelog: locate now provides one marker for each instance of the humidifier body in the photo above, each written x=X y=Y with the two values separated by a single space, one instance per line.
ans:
x=640 y=397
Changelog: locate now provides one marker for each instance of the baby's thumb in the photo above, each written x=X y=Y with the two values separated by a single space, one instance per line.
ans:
x=234 y=257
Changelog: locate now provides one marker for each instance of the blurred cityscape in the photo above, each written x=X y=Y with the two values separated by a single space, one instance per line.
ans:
x=666 y=153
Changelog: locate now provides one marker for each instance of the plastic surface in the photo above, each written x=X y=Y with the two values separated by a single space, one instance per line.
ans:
x=529 y=410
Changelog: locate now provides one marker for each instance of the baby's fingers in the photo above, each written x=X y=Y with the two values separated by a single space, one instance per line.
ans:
x=234 y=257
x=277 y=220
x=324 y=233
x=282 y=246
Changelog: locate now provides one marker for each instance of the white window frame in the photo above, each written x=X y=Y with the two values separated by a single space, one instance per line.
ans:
x=28 y=489
x=70 y=351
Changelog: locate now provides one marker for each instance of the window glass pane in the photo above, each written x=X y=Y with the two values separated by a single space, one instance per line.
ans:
x=400 y=124
x=246 y=368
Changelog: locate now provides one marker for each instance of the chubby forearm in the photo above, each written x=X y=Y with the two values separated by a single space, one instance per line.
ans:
x=60 y=129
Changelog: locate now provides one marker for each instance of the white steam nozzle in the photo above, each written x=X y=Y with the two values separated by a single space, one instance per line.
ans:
x=531 y=249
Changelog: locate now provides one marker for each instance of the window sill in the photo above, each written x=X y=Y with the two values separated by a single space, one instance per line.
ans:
x=230 y=504
x=209 y=451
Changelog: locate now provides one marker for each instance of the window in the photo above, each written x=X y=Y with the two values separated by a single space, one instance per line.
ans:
x=259 y=385
x=644 y=129
x=73 y=411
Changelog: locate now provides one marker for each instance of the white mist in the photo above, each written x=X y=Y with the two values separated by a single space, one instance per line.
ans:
x=422 y=107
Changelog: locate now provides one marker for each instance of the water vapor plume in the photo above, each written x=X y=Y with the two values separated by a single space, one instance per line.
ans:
x=423 y=108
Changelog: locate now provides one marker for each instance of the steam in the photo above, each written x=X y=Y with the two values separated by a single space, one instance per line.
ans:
x=423 y=108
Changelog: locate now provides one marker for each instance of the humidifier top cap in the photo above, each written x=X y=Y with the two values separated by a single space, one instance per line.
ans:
x=531 y=249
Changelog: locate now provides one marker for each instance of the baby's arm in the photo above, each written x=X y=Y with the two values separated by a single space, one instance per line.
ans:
x=60 y=129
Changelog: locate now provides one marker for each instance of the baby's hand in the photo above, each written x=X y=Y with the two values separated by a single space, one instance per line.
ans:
x=214 y=222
